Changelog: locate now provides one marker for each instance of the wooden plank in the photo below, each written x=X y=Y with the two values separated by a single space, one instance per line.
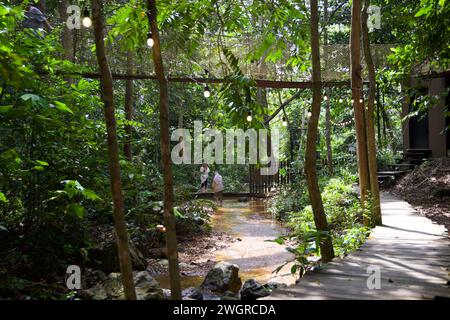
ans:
x=413 y=254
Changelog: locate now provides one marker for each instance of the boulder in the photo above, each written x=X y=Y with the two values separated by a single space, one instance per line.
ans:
x=113 y=286
x=192 y=293
x=147 y=288
x=229 y=295
x=105 y=258
x=222 y=277
x=95 y=293
x=252 y=290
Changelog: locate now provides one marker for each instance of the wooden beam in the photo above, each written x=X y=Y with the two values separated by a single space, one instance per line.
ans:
x=262 y=83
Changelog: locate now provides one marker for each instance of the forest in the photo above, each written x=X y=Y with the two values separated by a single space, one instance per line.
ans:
x=224 y=149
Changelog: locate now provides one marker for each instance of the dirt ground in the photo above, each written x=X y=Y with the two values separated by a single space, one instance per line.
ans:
x=427 y=188
x=196 y=254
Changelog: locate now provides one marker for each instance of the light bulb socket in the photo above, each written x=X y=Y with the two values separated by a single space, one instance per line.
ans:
x=86 y=13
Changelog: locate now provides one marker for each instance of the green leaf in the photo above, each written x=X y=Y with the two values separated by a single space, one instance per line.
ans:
x=3 y=197
x=177 y=213
x=77 y=209
x=423 y=11
x=63 y=107
x=294 y=269
x=4 y=109
x=30 y=96
x=91 y=195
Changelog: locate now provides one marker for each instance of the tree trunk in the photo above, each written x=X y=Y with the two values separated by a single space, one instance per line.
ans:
x=169 y=218
x=320 y=219
x=113 y=151
x=66 y=34
x=129 y=92
x=370 y=126
x=358 y=106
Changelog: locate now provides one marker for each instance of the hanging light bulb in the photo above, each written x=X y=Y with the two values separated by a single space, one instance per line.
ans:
x=150 y=41
x=325 y=97
x=207 y=92
x=249 y=117
x=361 y=100
x=353 y=101
x=284 y=122
x=309 y=114
x=87 y=21
x=340 y=100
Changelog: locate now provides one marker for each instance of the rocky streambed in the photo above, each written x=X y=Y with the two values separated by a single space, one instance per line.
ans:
x=235 y=262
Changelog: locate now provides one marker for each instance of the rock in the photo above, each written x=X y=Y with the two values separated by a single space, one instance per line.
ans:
x=273 y=284
x=187 y=266
x=113 y=286
x=166 y=294
x=147 y=288
x=192 y=293
x=229 y=295
x=222 y=277
x=95 y=293
x=106 y=259
x=252 y=290
x=163 y=263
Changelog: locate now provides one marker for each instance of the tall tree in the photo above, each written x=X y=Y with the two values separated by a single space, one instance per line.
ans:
x=358 y=105
x=66 y=33
x=129 y=92
x=320 y=219
x=370 y=125
x=113 y=151
x=169 y=217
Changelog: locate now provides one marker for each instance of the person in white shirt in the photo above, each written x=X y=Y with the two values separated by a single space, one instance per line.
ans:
x=204 y=171
x=217 y=186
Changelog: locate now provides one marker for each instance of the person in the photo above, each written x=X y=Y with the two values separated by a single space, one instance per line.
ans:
x=35 y=19
x=204 y=171
x=217 y=186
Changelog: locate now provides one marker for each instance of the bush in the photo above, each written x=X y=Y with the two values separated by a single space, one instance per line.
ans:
x=194 y=217
x=290 y=198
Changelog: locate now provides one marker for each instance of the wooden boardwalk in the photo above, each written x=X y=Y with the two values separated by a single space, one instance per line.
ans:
x=411 y=251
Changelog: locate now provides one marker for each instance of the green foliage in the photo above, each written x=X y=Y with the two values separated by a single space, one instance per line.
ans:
x=290 y=198
x=344 y=215
x=428 y=21
x=194 y=216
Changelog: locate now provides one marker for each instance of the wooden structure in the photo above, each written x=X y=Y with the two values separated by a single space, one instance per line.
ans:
x=411 y=253
x=427 y=132
x=265 y=184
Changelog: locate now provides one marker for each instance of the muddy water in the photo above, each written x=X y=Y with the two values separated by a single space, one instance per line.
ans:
x=257 y=257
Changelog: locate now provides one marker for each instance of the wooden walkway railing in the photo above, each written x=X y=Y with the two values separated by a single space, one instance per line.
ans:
x=263 y=184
